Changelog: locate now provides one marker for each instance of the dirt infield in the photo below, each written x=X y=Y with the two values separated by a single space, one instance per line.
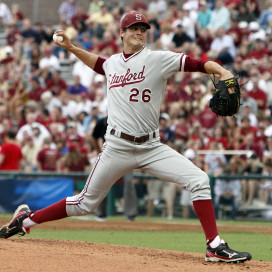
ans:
x=32 y=255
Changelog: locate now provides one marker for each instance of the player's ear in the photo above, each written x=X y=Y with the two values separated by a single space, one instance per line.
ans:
x=122 y=32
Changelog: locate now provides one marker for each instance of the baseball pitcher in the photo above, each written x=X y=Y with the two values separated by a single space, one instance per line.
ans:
x=136 y=80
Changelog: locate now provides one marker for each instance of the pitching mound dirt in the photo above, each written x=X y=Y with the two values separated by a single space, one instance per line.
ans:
x=33 y=255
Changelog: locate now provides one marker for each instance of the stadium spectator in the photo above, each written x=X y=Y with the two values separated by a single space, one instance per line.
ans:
x=255 y=32
x=166 y=133
x=5 y=13
x=235 y=32
x=244 y=15
x=37 y=134
x=49 y=101
x=40 y=35
x=13 y=34
x=246 y=128
x=44 y=117
x=204 y=39
x=86 y=40
x=220 y=17
x=35 y=57
x=56 y=114
x=261 y=138
x=259 y=50
x=223 y=47
x=258 y=94
x=67 y=10
x=250 y=144
x=265 y=16
x=167 y=36
x=214 y=163
x=246 y=110
x=203 y=15
x=157 y=192
x=253 y=6
x=74 y=160
x=181 y=128
x=180 y=37
x=267 y=153
x=72 y=135
x=232 y=5
x=18 y=98
x=158 y=7
x=30 y=151
x=28 y=33
x=207 y=118
x=27 y=129
x=56 y=85
x=77 y=88
x=48 y=63
x=139 y=5
x=250 y=186
x=11 y=157
x=79 y=19
x=219 y=137
x=95 y=6
x=265 y=186
x=100 y=21
x=155 y=30
x=175 y=92
x=68 y=107
x=239 y=68
x=85 y=73
x=108 y=45
x=84 y=103
x=48 y=158
x=36 y=90
x=17 y=15
x=228 y=191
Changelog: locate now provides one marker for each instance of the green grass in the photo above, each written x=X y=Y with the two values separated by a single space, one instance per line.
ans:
x=259 y=245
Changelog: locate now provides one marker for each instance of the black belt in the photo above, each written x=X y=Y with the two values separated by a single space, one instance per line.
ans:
x=134 y=139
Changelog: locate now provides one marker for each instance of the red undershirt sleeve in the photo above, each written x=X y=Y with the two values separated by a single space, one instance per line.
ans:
x=98 y=68
x=194 y=65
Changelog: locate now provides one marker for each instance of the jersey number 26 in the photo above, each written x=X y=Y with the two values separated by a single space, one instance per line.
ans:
x=137 y=95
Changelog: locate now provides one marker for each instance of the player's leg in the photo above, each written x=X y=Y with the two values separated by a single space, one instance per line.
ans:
x=109 y=167
x=168 y=165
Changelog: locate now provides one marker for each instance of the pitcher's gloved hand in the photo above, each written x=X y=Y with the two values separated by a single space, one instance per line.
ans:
x=226 y=99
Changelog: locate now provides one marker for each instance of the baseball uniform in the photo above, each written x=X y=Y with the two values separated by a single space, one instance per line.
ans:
x=135 y=90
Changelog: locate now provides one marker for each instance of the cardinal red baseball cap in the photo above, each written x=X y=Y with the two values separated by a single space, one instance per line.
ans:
x=132 y=18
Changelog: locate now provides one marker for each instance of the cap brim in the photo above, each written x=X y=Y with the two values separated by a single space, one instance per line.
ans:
x=143 y=23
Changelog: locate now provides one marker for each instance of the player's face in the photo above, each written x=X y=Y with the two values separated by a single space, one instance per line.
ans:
x=134 y=38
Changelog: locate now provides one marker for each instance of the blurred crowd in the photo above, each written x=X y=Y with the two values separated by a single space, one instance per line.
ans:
x=51 y=118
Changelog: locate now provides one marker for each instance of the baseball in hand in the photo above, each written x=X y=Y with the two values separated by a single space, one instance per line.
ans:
x=57 y=38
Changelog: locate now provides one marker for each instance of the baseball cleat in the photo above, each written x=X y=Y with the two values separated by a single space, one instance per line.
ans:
x=223 y=253
x=15 y=226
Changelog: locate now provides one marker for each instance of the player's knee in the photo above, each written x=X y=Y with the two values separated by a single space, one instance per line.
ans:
x=204 y=180
x=201 y=189
x=82 y=205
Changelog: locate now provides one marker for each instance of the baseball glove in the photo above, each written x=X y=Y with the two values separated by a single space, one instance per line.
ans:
x=222 y=103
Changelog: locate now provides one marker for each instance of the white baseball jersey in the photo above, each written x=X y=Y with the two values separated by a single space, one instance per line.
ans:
x=135 y=88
